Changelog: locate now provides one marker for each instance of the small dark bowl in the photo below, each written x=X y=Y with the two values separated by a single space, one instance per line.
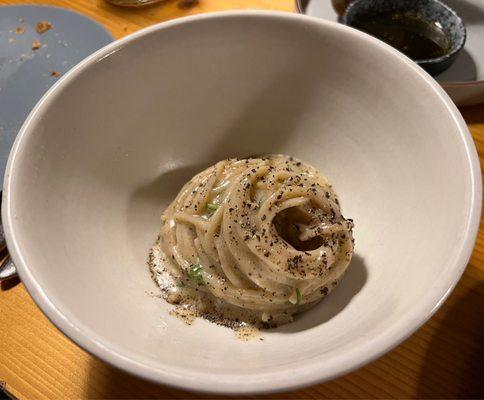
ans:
x=432 y=11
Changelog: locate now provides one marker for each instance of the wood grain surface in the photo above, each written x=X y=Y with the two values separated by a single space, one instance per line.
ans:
x=444 y=359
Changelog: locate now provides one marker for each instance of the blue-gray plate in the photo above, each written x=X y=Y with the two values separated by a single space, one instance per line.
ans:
x=26 y=74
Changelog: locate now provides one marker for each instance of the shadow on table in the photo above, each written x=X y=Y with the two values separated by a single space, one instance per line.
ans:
x=473 y=114
x=454 y=362
x=9 y=284
x=106 y=382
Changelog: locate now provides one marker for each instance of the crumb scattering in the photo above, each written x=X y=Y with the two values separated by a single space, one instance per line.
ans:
x=247 y=333
x=19 y=30
x=36 y=45
x=43 y=26
x=55 y=74
x=185 y=314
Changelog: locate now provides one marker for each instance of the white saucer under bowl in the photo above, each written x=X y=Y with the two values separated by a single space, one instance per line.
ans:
x=464 y=80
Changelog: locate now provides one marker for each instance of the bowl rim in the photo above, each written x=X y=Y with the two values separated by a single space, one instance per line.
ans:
x=300 y=6
x=287 y=377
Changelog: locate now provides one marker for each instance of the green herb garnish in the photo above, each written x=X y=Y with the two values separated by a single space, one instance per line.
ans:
x=259 y=204
x=195 y=273
x=297 y=300
x=212 y=206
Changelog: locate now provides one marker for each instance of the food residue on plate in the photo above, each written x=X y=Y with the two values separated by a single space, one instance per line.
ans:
x=19 y=30
x=185 y=314
x=246 y=333
x=188 y=314
x=36 y=45
x=43 y=26
x=55 y=74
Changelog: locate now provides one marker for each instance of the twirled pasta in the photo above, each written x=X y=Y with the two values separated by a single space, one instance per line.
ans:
x=253 y=240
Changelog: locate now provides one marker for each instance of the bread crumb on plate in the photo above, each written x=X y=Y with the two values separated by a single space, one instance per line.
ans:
x=43 y=26
x=36 y=45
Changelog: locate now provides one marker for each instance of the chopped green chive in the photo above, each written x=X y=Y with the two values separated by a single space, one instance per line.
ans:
x=295 y=297
x=195 y=273
x=212 y=206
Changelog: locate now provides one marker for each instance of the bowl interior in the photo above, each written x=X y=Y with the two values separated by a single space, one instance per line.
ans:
x=109 y=148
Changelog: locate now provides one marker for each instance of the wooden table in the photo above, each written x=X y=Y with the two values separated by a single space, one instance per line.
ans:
x=444 y=359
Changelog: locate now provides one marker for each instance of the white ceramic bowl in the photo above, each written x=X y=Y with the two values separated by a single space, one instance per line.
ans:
x=109 y=146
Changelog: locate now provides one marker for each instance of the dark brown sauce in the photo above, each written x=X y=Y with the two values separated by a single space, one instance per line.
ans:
x=417 y=38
